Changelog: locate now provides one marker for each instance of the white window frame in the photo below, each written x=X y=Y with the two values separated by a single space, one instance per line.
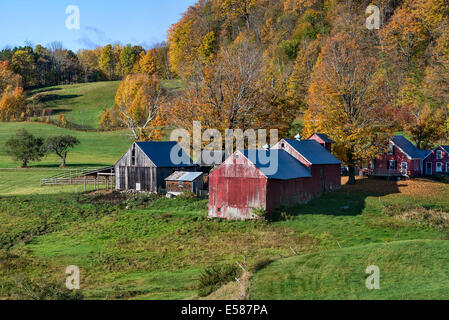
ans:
x=447 y=167
x=439 y=155
x=440 y=164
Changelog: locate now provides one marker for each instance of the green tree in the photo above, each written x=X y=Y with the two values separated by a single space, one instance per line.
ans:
x=107 y=61
x=61 y=146
x=24 y=147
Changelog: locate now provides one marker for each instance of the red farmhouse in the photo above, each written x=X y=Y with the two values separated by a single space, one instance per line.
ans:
x=247 y=181
x=437 y=161
x=403 y=158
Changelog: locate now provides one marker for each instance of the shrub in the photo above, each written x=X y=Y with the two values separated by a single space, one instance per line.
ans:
x=44 y=290
x=213 y=278
x=187 y=195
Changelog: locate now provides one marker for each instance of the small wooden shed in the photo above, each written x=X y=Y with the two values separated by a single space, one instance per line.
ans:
x=145 y=165
x=181 y=181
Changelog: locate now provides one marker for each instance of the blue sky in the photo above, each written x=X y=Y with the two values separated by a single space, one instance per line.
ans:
x=141 y=22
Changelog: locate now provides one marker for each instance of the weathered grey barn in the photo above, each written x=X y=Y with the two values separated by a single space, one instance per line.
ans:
x=146 y=165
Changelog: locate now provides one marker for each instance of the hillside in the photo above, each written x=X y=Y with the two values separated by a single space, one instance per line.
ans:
x=82 y=104
x=414 y=269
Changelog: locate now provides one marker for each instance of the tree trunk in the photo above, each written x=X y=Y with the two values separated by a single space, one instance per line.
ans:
x=24 y=163
x=351 y=174
x=62 y=162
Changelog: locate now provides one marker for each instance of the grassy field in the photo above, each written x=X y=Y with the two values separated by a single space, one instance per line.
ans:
x=84 y=103
x=156 y=248
x=145 y=247
x=415 y=269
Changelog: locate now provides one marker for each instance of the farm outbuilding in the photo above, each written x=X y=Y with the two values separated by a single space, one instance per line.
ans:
x=146 y=165
x=245 y=182
x=324 y=167
x=322 y=139
x=181 y=181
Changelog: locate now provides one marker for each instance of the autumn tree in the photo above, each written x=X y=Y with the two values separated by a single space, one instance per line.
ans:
x=23 y=63
x=138 y=104
x=12 y=103
x=107 y=61
x=344 y=101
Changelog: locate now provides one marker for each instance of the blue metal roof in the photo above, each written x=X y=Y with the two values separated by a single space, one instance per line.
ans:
x=165 y=154
x=313 y=152
x=277 y=164
x=446 y=148
x=323 y=137
x=409 y=148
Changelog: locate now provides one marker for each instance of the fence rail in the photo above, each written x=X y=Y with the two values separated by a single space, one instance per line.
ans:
x=79 y=176
x=387 y=173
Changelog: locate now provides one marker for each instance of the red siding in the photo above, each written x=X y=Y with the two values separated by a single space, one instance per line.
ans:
x=328 y=146
x=432 y=158
x=381 y=163
x=236 y=187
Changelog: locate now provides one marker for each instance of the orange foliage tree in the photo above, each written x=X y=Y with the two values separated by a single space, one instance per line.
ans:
x=345 y=103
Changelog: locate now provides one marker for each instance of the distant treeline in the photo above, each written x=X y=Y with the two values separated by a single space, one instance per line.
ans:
x=53 y=65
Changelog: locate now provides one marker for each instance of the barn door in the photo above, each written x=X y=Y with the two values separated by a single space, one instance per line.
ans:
x=122 y=178
x=141 y=176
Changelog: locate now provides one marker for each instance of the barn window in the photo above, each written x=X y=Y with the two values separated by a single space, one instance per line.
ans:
x=133 y=156
x=283 y=145
x=439 y=167
x=439 y=154
x=447 y=167
x=180 y=184
x=219 y=209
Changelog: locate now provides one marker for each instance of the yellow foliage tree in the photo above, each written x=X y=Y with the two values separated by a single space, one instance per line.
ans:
x=138 y=103
x=12 y=103
x=344 y=102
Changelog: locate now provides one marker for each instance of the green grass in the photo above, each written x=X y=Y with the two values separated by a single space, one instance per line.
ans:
x=84 y=103
x=81 y=103
x=416 y=269
x=95 y=149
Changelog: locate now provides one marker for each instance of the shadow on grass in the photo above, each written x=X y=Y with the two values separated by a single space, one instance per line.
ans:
x=349 y=201
x=44 y=98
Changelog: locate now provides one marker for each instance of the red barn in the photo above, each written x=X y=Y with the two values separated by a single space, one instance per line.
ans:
x=437 y=161
x=324 y=167
x=292 y=172
x=322 y=139
x=403 y=158
x=257 y=179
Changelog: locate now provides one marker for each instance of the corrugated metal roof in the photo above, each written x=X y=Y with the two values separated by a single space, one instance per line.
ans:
x=446 y=148
x=409 y=148
x=314 y=152
x=277 y=164
x=160 y=153
x=184 y=176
